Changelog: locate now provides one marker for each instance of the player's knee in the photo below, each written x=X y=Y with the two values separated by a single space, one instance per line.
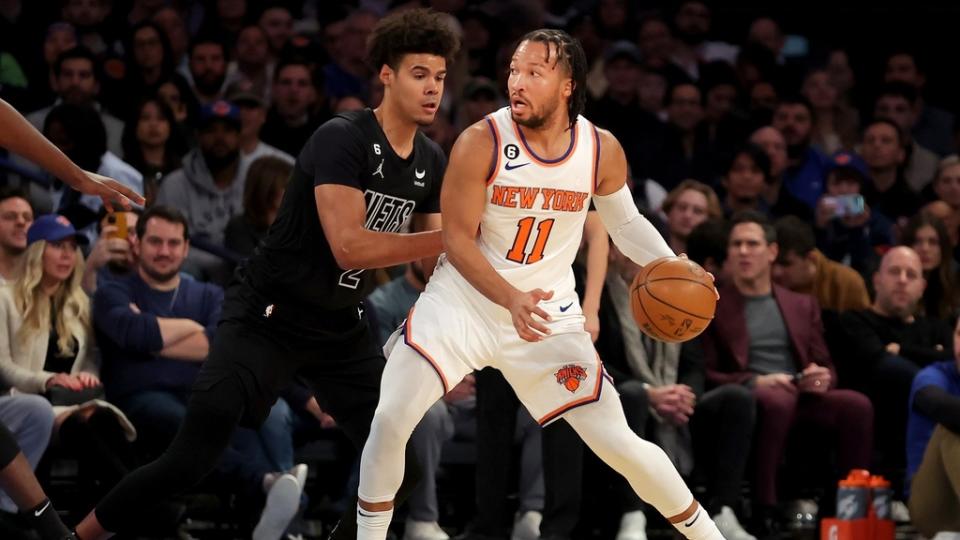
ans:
x=391 y=425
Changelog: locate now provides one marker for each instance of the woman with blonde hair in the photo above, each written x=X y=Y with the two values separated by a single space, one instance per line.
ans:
x=686 y=206
x=46 y=347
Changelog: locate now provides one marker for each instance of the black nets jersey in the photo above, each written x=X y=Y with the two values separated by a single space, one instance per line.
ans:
x=295 y=265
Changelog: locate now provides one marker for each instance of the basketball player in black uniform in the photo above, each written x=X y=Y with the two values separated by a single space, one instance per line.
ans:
x=295 y=308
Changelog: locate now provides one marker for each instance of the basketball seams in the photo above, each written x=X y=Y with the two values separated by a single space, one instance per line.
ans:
x=681 y=310
x=651 y=319
x=691 y=280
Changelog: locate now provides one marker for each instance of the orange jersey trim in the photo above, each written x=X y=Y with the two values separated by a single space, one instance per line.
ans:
x=598 y=387
x=495 y=162
x=547 y=162
x=408 y=339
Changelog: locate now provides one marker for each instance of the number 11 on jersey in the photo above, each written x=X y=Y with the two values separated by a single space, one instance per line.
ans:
x=518 y=253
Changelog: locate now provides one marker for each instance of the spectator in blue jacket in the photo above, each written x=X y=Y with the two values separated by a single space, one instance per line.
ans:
x=933 y=445
x=154 y=331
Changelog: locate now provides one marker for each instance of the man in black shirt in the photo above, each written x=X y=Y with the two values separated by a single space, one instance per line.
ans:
x=887 y=346
x=295 y=113
x=882 y=150
x=296 y=306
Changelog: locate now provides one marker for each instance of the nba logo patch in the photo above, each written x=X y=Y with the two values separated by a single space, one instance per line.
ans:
x=570 y=376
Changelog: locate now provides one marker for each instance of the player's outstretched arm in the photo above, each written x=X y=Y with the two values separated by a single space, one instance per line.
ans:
x=342 y=211
x=462 y=200
x=20 y=137
x=632 y=233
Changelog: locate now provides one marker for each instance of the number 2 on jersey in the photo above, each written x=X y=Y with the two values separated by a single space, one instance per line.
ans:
x=518 y=252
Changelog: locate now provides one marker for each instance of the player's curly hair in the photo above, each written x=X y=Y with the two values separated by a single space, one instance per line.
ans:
x=570 y=55
x=411 y=31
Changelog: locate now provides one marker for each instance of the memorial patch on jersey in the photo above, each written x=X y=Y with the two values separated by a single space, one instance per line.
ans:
x=559 y=200
x=386 y=213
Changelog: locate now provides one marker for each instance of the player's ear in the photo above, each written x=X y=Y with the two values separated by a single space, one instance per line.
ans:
x=386 y=74
x=568 y=87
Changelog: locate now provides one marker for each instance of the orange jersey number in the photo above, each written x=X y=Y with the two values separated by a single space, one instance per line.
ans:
x=518 y=253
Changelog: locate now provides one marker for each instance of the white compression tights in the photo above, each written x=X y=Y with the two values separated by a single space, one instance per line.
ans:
x=410 y=386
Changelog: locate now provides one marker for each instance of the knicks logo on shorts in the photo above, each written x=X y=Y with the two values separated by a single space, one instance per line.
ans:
x=570 y=376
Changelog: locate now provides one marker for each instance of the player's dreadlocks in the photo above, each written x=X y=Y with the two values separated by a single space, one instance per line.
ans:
x=570 y=55
x=411 y=31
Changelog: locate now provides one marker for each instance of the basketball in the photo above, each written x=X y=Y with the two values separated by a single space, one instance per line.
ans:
x=673 y=299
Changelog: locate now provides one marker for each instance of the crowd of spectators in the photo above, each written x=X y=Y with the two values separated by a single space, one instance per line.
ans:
x=825 y=200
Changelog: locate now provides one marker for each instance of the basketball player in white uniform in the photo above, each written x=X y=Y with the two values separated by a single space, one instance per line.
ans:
x=514 y=199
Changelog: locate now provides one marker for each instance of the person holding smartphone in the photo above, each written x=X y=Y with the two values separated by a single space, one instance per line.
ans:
x=848 y=230
x=113 y=249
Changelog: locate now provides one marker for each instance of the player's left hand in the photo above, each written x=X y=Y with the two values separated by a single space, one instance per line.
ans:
x=109 y=190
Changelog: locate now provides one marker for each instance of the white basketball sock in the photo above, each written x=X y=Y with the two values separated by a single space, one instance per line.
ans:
x=699 y=526
x=373 y=525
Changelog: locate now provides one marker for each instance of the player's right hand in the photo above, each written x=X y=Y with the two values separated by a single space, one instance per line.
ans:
x=523 y=306
x=111 y=192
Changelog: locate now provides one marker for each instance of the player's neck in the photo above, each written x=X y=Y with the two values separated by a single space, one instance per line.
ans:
x=400 y=131
x=552 y=138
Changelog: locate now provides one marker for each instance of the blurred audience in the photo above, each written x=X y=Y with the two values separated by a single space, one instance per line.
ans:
x=933 y=444
x=264 y=187
x=16 y=216
x=47 y=349
x=208 y=68
x=687 y=206
x=76 y=80
x=897 y=102
x=154 y=329
x=884 y=152
x=661 y=386
x=806 y=165
x=934 y=126
x=152 y=144
x=888 y=344
x=929 y=238
x=292 y=117
x=770 y=340
x=848 y=230
x=802 y=268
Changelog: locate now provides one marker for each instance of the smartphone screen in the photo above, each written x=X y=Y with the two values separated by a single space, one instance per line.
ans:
x=845 y=205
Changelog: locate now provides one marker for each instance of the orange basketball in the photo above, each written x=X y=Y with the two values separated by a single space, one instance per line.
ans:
x=673 y=299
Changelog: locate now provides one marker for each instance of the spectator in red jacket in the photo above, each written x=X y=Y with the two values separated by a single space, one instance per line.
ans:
x=771 y=340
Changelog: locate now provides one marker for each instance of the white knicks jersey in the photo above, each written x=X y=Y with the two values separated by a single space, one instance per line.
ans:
x=532 y=224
